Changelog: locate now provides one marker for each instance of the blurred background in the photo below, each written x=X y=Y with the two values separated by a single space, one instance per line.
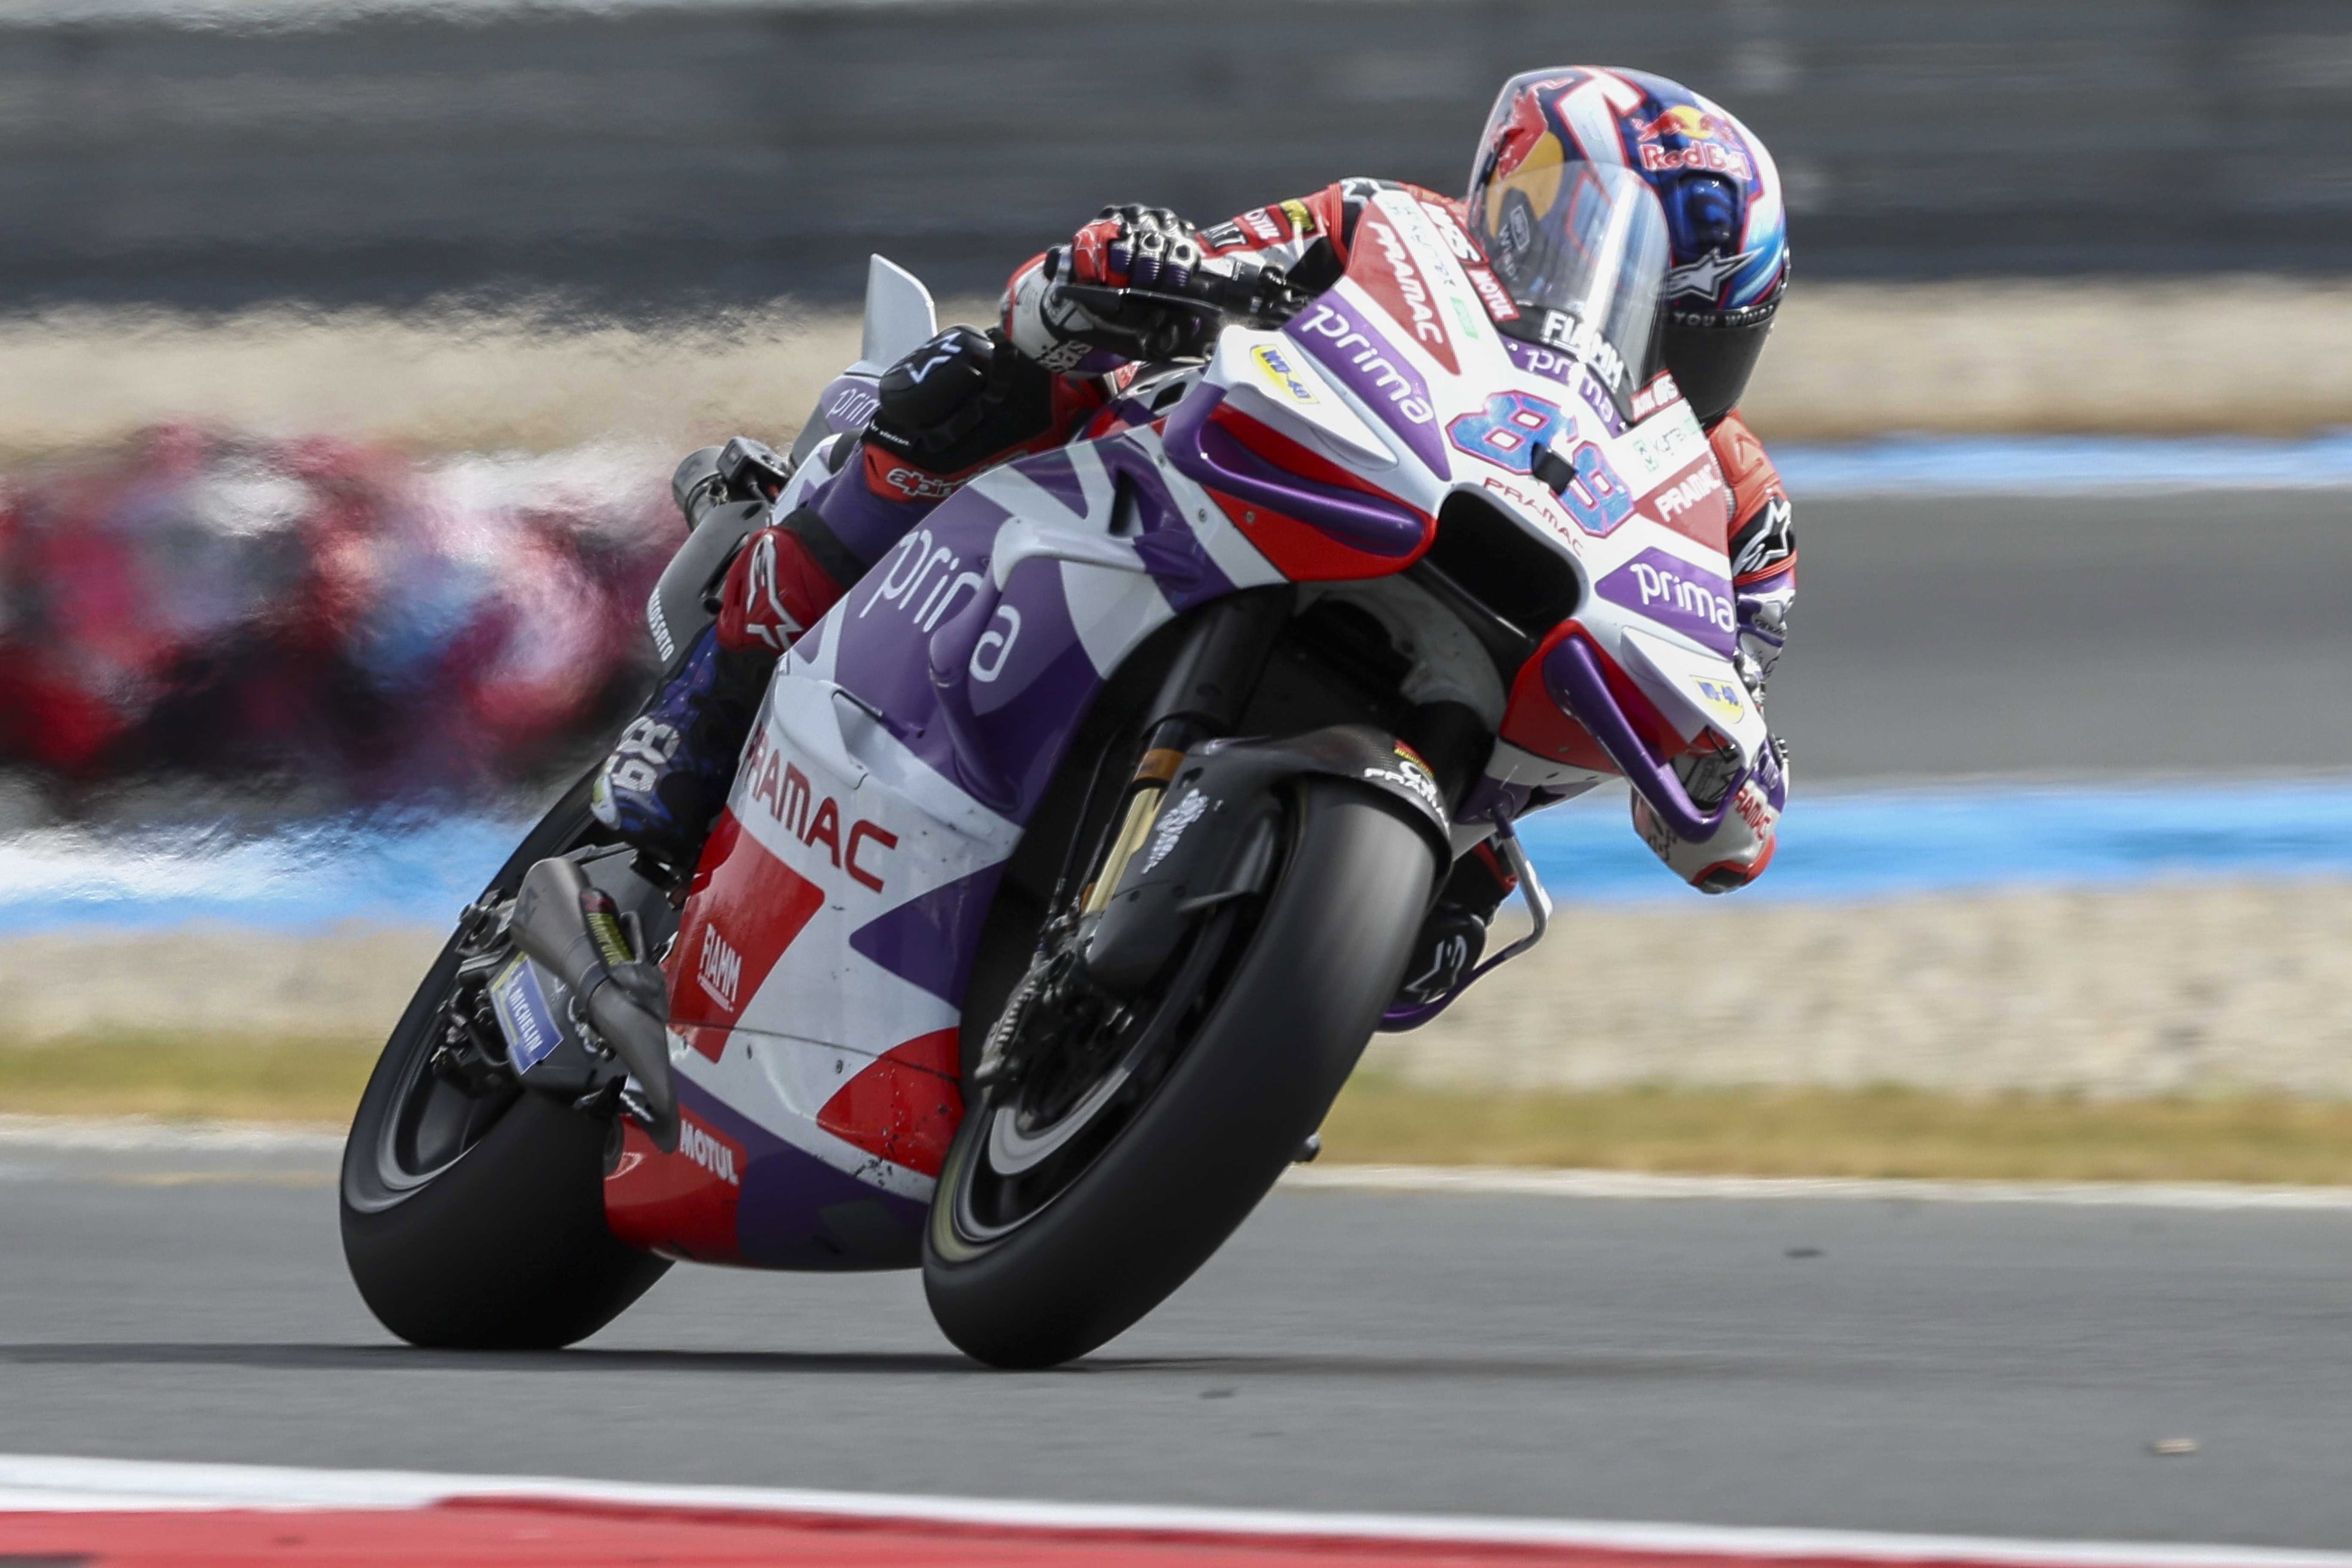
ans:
x=345 y=348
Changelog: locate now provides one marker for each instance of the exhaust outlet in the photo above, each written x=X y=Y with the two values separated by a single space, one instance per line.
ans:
x=573 y=928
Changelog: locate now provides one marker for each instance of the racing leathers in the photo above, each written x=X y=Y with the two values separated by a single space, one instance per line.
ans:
x=1051 y=372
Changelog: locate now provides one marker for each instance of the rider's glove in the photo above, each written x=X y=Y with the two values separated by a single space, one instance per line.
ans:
x=963 y=399
x=1135 y=247
x=1743 y=846
x=1086 y=304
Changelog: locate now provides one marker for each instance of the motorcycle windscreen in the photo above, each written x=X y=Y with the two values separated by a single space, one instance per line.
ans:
x=1582 y=250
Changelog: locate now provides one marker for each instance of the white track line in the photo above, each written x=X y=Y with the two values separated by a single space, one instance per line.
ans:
x=47 y=1483
x=1514 y=1182
x=122 y=1135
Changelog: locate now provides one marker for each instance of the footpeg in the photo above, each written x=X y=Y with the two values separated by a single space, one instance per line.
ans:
x=575 y=930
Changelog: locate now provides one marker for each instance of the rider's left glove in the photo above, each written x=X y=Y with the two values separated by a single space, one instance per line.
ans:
x=961 y=400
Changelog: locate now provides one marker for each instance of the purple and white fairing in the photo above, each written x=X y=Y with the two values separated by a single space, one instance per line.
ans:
x=933 y=705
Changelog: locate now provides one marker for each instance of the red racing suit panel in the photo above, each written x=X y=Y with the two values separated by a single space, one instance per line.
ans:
x=1286 y=232
x=1763 y=543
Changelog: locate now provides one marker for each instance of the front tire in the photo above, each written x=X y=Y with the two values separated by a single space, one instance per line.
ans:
x=1254 y=1079
x=476 y=1221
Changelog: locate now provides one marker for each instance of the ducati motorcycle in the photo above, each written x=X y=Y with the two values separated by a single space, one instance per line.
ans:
x=1077 y=853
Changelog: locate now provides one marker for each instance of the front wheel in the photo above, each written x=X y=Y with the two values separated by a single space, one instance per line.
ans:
x=1075 y=1200
x=474 y=1211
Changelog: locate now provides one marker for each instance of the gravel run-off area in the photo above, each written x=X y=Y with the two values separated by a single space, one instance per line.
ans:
x=1847 y=361
x=2159 y=989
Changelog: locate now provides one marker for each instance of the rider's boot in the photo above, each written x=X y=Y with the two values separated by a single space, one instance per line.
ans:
x=1454 y=934
x=671 y=771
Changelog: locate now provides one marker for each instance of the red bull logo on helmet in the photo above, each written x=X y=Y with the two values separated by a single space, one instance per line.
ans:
x=1710 y=144
x=1522 y=133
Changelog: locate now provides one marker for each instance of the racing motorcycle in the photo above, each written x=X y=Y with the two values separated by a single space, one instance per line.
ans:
x=1077 y=853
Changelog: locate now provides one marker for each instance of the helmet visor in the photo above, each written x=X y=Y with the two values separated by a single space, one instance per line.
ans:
x=1582 y=249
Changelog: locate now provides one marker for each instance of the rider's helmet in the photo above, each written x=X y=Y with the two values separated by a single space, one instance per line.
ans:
x=1726 y=232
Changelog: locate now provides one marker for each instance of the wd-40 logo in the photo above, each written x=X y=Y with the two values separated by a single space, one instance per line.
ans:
x=719 y=970
x=815 y=819
x=1725 y=698
x=714 y=1151
x=1279 y=372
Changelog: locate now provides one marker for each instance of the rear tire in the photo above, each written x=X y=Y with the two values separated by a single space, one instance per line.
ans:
x=1256 y=1079
x=479 y=1223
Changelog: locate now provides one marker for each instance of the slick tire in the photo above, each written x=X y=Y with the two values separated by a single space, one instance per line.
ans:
x=506 y=1248
x=1255 y=1081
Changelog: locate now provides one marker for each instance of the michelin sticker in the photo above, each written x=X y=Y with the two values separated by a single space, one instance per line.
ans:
x=524 y=1016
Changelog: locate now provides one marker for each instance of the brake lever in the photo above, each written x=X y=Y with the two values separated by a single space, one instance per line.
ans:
x=1269 y=300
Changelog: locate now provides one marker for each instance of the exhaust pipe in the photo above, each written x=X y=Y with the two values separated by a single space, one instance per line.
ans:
x=566 y=924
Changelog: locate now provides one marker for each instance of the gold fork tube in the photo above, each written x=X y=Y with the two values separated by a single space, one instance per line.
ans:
x=1150 y=786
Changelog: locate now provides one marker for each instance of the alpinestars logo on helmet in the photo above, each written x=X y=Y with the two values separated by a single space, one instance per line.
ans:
x=1707 y=275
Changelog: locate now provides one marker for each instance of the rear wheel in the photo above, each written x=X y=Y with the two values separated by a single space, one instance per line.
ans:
x=1077 y=1196
x=473 y=1213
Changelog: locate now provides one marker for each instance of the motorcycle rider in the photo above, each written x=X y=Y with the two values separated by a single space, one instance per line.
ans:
x=1053 y=370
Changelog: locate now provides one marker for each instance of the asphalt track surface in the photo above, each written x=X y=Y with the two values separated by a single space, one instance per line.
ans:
x=2183 y=631
x=1939 y=1367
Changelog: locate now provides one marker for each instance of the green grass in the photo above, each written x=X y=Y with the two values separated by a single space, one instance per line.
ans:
x=198 y=1077
x=1848 y=1133
x=1810 y=1131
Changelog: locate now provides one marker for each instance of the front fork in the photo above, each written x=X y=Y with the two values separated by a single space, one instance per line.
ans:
x=1202 y=697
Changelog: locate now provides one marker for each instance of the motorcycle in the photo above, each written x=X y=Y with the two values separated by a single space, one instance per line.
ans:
x=1077 y=852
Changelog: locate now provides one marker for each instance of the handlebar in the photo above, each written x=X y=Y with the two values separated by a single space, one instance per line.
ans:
x=1239 y=286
